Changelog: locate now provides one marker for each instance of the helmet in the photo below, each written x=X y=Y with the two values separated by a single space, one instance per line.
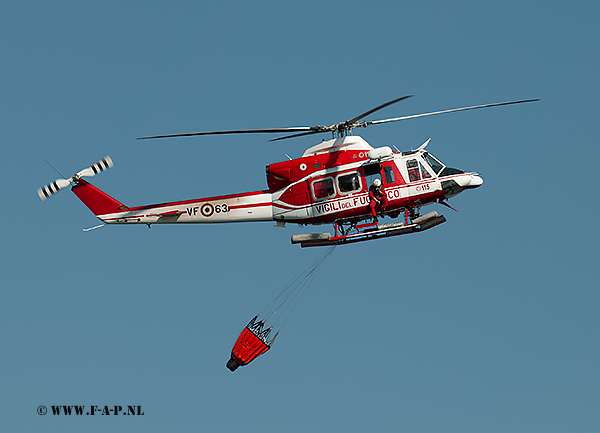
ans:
x=377 y=183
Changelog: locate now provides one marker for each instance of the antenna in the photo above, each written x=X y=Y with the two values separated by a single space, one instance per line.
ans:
x=59 y=173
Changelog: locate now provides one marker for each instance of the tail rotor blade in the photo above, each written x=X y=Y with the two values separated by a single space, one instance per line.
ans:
x=52 y=188
x=94 y=169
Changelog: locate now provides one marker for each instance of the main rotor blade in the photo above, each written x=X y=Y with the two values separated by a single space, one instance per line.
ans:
x=236 y=131
x=375 y=122
x=387 y=104
x=299 y=135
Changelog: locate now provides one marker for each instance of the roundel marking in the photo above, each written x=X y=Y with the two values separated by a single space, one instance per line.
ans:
x=302 y=166
x=207 y=209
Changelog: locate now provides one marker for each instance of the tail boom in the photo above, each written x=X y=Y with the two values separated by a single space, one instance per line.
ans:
x=242 y=207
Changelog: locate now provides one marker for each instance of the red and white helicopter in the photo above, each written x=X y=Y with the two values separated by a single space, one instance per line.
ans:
x=329 y=183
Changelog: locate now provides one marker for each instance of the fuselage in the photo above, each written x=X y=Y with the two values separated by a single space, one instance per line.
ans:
x=329 y=183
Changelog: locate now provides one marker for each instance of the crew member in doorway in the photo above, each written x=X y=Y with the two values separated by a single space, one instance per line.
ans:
x=378 y=199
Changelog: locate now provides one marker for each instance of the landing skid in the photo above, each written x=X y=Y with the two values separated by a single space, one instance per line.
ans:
x=368 y=231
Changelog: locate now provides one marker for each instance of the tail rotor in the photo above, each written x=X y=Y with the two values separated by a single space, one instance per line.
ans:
x=52 y=188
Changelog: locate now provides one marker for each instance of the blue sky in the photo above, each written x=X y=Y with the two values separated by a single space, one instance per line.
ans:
x=486 y=323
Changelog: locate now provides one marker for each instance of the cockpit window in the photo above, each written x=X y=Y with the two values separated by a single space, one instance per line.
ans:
x=416 y=171
x=450 y=171
x=433 y=163
x=440 y=169
x=413 y=170
x=424 y=172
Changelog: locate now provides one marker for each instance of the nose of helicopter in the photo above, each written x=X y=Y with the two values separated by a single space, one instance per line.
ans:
x=476 y=181
x=469 y=181
x=458 y=184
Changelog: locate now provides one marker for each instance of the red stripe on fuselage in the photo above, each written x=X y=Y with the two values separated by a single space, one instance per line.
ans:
x=199 y=200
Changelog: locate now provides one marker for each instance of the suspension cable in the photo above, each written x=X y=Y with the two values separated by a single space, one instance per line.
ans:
x=292 y=293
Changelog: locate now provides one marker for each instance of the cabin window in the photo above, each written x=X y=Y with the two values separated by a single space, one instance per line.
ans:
x=348 y=183
x=388 y=172
x=323 y=188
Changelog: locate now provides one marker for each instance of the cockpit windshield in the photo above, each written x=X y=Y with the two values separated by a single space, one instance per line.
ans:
x=436 y=165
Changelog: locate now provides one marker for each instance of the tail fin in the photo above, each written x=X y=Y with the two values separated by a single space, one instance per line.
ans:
x=96 y=200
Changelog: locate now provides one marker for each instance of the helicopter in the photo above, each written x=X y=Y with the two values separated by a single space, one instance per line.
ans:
x=334 y=182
